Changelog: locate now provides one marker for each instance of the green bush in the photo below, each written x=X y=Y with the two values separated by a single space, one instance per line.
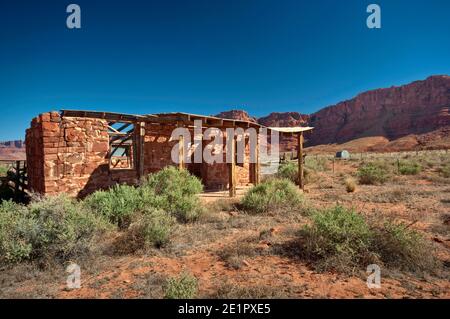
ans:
x=118 y=204
x=338 y=238
x=52 y=228
x=154 y=227
x=15 y=228
x=372 y=174
x=174 y=191
x=184 y=286
x=271 y=196
x=403 y=248
x=288 y=171
x=409 y=168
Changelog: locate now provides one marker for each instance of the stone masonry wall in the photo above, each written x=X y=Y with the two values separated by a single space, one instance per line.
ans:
x=70 y=155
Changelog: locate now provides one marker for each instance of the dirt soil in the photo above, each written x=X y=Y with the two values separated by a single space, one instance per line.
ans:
x=233 y=254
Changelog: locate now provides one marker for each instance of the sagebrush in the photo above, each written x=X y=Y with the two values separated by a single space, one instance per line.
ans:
x=275 y=195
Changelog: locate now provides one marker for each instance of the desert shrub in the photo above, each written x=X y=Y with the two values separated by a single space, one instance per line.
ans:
x=444 y=171
x=350 y=185
x=288 y=171
x=272 y=195
x=409 y=168
x=403 y=248
x=153 y=227
x=118 y=204
x=15 y=227
x=184 y=286
x=372 y=174
x=51 y=228
x=174 y=191
x=338 y=238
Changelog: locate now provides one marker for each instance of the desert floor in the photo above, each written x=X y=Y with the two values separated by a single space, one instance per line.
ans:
x=236 y=255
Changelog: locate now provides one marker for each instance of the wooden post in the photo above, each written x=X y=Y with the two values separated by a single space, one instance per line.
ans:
x=17 y=181
x=258 y=162
x=300 y=160
x=232 y=170
x=180 y=149
x=181 y=152
x=141 y=149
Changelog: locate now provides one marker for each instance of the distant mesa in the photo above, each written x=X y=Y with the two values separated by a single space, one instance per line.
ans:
x=417 y=113
x=407 y=117
x=12 y=150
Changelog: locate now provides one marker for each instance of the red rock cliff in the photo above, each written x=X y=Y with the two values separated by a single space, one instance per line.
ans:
x=416 y=108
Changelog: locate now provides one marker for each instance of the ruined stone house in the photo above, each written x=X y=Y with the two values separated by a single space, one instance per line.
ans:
x=78 y=152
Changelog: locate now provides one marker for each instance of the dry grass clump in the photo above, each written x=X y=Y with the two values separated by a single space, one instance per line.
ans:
x=350 y=185
x=234 y=256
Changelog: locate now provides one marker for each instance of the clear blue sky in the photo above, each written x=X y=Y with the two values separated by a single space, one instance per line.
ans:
x=209 y=56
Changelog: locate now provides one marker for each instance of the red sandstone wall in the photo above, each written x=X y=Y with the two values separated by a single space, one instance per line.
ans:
x=70 y=155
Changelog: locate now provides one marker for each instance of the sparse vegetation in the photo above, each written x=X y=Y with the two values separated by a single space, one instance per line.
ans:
x=372 y=174
x=153 y=227
x=49 y=229
x=170 y=189
x=184 y=286
x=230 y=291
x=409 y=167
x=337 y=239
x=444 y=171
x=118 y=204
x=288 y=171
x=404 y=248
x=236 y=251
x=276 y=195
x=175 y=192
x=343 y=240
x=317 y=164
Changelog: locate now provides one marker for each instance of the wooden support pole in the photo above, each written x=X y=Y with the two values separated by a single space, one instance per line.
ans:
x=141 y=140
x=300 y=161
x=17 y=180
x=258 y=161
x=232 y=170
x=180 y=148
x=181 y=152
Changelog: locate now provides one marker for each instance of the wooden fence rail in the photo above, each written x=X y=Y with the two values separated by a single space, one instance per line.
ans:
x=16 y=178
